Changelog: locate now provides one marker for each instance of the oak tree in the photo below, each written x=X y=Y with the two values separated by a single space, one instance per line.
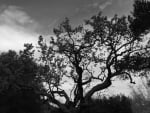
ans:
x=95 y=52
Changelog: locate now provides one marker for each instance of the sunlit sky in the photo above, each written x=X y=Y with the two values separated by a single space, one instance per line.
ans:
x=24 y=20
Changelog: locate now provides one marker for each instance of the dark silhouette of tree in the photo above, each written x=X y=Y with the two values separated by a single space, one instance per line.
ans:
x=18 y=82
x=140 y=20
x=140 y=25
x=85 y=54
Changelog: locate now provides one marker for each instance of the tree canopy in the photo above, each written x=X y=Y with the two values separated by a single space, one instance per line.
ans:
x=18 y=82
x=95 y=52
x=140 y=17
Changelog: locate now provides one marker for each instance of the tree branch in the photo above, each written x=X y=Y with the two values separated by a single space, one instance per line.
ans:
x=129 y=76
x=53 y=100
x=62 y=93
x=98 y=87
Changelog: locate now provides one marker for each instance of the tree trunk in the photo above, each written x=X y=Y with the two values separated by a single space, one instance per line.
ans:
x=98 y=87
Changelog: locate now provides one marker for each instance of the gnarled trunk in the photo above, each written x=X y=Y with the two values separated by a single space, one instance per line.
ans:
x=98 y=87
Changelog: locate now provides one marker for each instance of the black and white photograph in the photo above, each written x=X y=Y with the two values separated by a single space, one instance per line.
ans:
x=74 y=56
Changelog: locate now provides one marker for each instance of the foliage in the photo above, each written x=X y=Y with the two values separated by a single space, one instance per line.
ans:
x=113 y=104
x=16 y=69
x=140 y=104
x=21 y=101
x=140 y=17
x=18 y=82
x=94 y=52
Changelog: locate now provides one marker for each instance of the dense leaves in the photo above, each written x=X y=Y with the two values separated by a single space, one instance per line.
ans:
x=18 y=83
x=140 y=17
x=134 y=63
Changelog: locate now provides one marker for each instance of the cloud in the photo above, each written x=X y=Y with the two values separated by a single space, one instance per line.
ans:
x=18 y=18
x=105 y=4
x=15 y=14
x=16 y=28
x=13 y=39
x=100 y=5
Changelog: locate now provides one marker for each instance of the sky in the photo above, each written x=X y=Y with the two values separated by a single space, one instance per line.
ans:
x=22 y=21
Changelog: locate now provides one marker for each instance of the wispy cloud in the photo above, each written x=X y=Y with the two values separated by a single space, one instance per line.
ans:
x=16 y=17
x=16 y=28
x=105 y=4
x=100 y=5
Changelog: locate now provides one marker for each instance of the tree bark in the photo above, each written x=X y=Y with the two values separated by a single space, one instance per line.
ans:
x=98 y=87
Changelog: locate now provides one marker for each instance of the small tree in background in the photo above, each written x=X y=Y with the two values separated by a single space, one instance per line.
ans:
x=96 y=52
x=18 y=82
x=140 y=25
x=140 y=21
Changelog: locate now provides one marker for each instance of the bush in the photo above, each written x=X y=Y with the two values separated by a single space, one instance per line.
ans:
x=115 y=104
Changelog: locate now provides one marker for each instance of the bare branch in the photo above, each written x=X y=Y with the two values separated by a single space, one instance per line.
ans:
x=62 y=93
x=88 y=81
x=125 y=44
x=74 y=78
x=129 y=76
x=92 y=76
x=53 y=100
x=98 y=87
